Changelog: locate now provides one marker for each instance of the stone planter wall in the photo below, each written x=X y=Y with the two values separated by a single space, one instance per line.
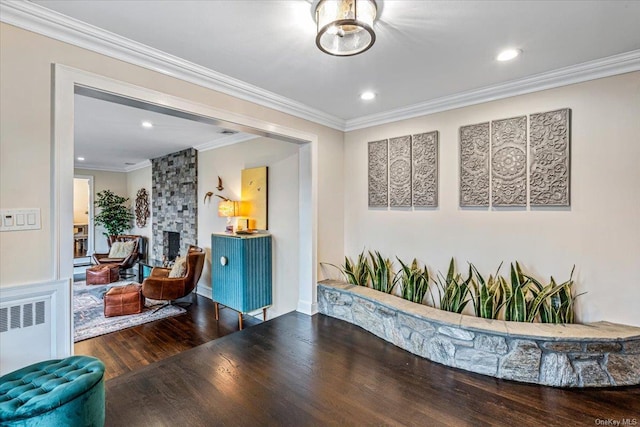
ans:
x=600 y=354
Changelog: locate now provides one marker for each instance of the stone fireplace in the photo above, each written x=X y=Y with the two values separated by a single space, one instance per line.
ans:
x=170 y=245
x=175 y=203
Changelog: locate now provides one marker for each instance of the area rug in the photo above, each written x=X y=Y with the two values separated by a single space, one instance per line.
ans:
x=88 y=312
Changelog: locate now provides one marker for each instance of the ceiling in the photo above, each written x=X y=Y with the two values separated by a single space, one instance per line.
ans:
x=110 y=136
x=425 y=50
x=428 y=56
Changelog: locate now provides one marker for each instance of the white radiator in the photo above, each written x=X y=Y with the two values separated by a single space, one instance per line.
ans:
x=35 y=324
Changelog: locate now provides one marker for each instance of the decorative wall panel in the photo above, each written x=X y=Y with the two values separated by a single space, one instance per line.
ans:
x=400 y=171
x=175 y=199
x=378 y=167
x=549 y=150
x=509 y=162
x=474 y=165
x=254 y=195
x=424 y=169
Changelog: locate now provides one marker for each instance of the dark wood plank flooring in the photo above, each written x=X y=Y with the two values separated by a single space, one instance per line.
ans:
x=130 y=349
x=298 y=370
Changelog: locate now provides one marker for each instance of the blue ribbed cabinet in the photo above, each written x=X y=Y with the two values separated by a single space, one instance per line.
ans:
x=241 y=272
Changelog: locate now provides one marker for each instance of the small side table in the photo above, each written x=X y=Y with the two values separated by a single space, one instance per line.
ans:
x=145 y=267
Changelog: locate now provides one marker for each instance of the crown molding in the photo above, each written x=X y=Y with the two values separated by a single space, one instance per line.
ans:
x=141 y=165
x=90 y=167
x=605 y=67
x=41 y=20
x=223 y=142
x=44 y=21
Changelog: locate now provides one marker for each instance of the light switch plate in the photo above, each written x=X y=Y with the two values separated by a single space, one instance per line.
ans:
x=19 y=219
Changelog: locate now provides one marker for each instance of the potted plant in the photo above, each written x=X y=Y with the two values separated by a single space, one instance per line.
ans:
x=114 y=216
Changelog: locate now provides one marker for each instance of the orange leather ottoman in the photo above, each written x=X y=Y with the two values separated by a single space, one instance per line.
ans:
x=103 y=274
x=122 y=300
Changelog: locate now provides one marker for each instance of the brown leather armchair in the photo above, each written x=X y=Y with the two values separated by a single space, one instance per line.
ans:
x=161 y=287
x=139 y=252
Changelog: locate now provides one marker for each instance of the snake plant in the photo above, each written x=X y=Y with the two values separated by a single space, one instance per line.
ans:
x=355 y=273
x=488 y=297
x=413 y=281
x=380 y=272
x=453 y=291
x=554 y=303
x=516 y=305
x=521 y=299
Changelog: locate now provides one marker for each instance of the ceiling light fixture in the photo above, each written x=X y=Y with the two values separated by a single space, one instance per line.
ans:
x=367 y=96
x=345 y=27
x=508 y=54
x=147 y=125
x=80 y=159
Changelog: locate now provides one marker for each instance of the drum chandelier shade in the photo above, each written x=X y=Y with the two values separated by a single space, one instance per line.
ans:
x=345 y=27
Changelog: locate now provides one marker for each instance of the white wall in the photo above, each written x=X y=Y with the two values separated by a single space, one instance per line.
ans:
x=140 y=178
x=227 y=162
x=114 y=181
x=27 y=179
x=80 y=201
x=25 y=149
x=599 y=233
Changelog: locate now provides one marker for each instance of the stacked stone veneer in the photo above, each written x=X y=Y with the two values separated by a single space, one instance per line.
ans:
x=595 y=355
x=175 y=199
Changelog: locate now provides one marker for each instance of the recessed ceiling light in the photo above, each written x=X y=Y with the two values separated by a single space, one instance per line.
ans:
x=367 y=96
x=147 y=125
x=508 y=54
x=80 y=159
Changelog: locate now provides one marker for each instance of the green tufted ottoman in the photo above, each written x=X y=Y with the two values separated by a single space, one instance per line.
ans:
x=66 y=392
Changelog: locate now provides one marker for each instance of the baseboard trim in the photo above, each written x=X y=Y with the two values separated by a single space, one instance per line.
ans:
x=205 y=291
x=307 y=307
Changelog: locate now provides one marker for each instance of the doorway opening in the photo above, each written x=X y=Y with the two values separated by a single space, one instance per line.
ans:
x=82 y=224
x=69 y=81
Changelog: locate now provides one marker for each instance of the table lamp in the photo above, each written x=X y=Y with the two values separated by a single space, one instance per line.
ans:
x=228 y=209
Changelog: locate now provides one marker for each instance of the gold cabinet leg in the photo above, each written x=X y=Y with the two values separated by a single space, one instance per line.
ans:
x=264 y=314
x=217 y=309
x=240 y=320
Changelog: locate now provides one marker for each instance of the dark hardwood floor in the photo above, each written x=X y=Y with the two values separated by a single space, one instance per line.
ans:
x=298 y=370
x=130 y=349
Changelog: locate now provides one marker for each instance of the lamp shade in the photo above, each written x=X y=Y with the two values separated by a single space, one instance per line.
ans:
x=345 y=27
x=228 y=208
